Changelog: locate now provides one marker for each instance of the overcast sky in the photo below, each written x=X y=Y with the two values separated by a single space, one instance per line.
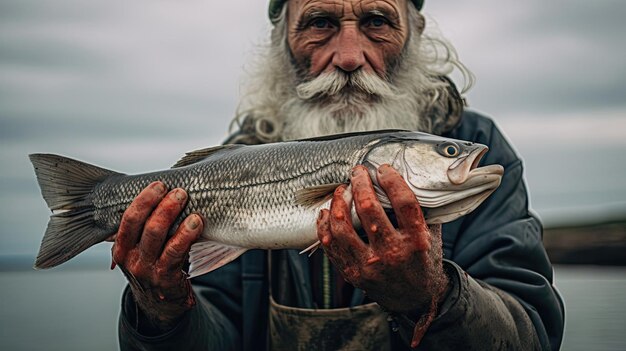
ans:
x=131 y=85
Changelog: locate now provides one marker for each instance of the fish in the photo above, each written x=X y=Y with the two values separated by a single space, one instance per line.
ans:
x=260 y=196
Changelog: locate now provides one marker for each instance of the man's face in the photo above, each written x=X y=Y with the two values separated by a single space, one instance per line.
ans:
x=326 y=35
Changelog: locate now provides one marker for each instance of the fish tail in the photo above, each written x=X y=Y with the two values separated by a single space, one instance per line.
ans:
x=67 y=186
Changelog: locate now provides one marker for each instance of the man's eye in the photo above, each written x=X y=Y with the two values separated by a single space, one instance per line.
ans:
x=377 y=22
x=321 y=23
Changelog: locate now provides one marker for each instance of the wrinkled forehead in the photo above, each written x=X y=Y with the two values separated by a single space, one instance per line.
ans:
x=275 y=6
x=347 y=8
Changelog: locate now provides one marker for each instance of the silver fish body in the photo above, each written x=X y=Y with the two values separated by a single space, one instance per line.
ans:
x=263 y=196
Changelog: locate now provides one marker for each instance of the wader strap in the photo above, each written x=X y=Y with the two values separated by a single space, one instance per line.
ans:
x=254 y=298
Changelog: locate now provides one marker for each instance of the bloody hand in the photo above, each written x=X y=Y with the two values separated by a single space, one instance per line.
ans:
x=401 y=268
x=152 y=264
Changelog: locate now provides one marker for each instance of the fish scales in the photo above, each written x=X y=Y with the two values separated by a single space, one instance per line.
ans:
x=242 y=193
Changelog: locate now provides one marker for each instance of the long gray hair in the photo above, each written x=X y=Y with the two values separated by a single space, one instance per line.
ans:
x=276 y=103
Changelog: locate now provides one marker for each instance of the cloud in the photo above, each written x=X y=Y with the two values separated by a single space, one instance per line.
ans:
x=122 y=70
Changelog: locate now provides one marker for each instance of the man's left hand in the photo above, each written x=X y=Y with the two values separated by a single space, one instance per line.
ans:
x=401 y=268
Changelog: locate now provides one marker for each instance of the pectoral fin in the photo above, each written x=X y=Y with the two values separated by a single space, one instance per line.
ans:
x=207 y=256
x=316 y=195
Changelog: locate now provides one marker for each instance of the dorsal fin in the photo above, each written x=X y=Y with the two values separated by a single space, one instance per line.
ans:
x=195 y=156
x=346 y=135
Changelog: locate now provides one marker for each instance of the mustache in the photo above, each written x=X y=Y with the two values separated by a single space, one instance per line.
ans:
x=338 y=82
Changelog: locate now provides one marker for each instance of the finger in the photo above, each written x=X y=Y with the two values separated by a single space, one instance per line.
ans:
x=134 y=218
x=346 y=263
x=158 y=225
x=176 y=249
x=343 y=235
x=323 y=228
x=372 y=215
x=405 y=204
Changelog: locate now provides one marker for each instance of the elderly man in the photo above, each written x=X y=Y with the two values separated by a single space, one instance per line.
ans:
x=482 y=282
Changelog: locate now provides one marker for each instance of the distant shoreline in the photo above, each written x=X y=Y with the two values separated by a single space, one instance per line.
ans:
x=598 y=243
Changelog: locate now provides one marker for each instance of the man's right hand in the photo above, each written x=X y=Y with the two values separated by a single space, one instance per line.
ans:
x=153 y=264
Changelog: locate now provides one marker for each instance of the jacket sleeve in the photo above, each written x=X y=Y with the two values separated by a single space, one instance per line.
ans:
x=214 y=323
x=501 y=296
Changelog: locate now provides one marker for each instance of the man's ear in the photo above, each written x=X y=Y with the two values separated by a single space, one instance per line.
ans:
x=421 y=23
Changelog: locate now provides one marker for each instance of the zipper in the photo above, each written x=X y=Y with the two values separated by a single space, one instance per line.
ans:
x=326 y=283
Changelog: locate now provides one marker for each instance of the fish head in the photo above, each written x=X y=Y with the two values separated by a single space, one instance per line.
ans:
x=443 y=173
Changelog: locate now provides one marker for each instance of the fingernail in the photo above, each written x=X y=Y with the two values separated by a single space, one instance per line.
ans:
x=347 y=195
x=193 y=222
x=338 y=190
x=326 y=240
x=356 y=171
x=159 y=187
x=339 y=215
x=365 y=204
x=179 y=195
x=372 y=260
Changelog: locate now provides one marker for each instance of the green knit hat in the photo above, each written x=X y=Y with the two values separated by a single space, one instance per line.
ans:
x=277 y=5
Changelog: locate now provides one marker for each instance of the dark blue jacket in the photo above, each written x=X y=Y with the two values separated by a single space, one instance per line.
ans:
x=502 y=297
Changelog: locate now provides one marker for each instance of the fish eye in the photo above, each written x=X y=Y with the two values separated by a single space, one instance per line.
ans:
x=449 y=150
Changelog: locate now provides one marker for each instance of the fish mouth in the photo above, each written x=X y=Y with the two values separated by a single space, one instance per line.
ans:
x=457 y=201
x=462 y=169
x=454 y=210
x=480 y=180
x=469 y=186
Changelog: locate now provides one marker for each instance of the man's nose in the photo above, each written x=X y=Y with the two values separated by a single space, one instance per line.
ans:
x=349 y=54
